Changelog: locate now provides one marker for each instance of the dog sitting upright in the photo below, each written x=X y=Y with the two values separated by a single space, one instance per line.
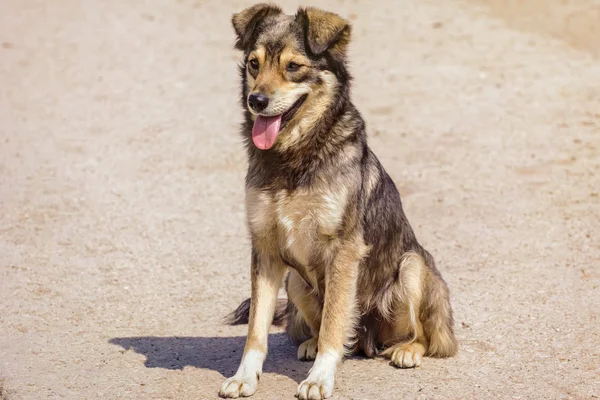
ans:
x=320 y=205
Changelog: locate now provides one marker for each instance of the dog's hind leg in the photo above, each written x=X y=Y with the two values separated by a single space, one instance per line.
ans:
x=304 y=320
x=422 y=315
x=405 y=337
x=436 y=314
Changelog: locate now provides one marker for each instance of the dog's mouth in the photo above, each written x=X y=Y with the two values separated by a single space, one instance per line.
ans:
x=266 y=129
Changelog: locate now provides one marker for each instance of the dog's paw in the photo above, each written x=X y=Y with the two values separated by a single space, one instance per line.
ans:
x=307 y=351
x=408 y=355
x=315 y=389
x=319 y=383
x=237 y=386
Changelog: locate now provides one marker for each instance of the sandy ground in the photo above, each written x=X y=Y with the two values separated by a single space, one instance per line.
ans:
x=122 y=236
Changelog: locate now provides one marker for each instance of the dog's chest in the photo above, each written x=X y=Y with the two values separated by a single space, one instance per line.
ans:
x=298 y=223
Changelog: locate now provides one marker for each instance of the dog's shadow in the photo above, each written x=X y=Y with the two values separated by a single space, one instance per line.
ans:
x=221 y=354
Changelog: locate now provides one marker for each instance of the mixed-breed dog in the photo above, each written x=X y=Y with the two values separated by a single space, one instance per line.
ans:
x=325 y=219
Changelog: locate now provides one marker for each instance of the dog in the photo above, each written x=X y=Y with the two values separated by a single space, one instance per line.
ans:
x=324 y=216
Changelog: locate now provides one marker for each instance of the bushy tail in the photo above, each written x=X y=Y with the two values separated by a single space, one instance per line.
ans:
x=436 y=314
x=242 y=313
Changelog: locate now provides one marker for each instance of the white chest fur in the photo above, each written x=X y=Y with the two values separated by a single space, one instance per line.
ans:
x=298 y=222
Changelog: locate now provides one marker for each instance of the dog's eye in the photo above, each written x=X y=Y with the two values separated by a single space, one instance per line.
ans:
x=293 y=67
x=254 y=63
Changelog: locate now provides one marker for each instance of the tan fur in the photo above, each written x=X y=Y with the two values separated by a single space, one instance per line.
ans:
x=305 y=301
x=311 y=111
x=267 y=278
x=297 y=327
x=308 y=220
x=324 y=28
x=307 y=350
x=442 y=342
x=407 y=355
x=340 y=311
x=313 y=202
x=260 y=207
x=301 y=222
x=372 y=178
x=289 y=54
x=271 y=78
x=409 y=307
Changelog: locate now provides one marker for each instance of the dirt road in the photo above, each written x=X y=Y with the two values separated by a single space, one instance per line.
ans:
x=122 y=236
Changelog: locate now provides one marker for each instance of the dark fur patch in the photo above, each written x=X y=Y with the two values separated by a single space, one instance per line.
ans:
x=248 y=23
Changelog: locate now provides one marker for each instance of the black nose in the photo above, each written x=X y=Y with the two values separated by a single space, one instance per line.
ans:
x=258 y=102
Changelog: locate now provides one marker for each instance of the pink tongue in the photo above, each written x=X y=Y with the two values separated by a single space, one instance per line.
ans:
x=265 y=130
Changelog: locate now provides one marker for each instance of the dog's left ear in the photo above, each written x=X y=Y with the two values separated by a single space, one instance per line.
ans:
x=246 y=22
x=324 y=31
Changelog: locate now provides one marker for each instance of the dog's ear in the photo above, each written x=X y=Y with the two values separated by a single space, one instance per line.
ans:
x=324 y=31
x=247 y=21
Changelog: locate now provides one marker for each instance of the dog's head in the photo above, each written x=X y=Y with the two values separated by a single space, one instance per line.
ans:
x=293 y=69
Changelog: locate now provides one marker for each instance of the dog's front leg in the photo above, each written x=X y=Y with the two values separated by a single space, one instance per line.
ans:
x=337 y=324
x=266 y=275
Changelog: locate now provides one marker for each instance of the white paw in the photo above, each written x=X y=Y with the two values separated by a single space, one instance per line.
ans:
x=236 y=386
x=245 y=380
x=319 y=384
x=315 y=390
x=307 y=351
x=408 y=355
